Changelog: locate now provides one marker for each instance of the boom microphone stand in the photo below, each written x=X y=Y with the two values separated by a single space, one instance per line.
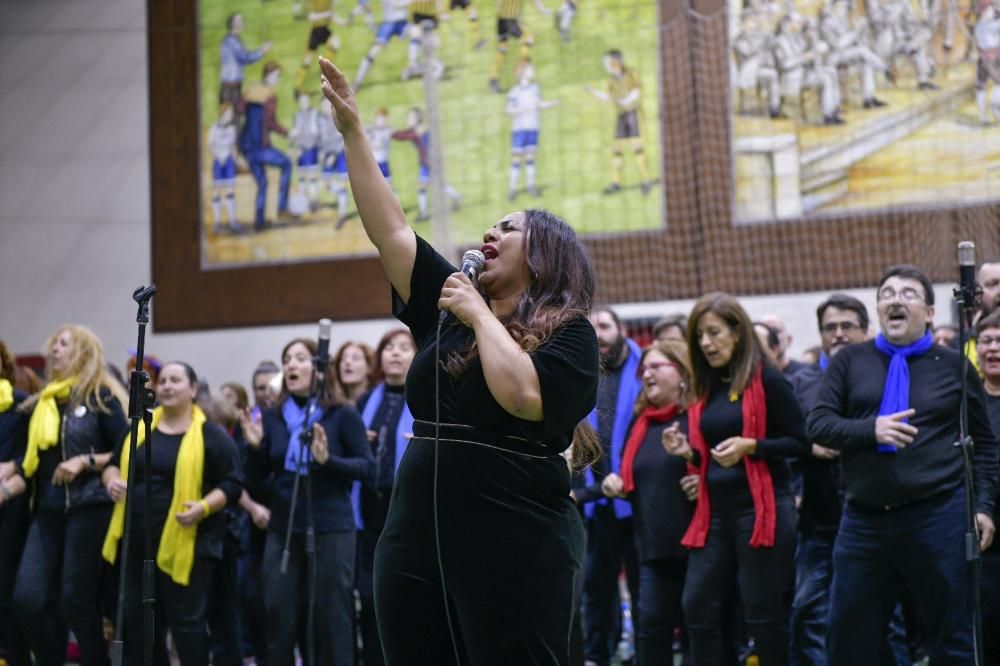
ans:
x=965 y=296
x=140 y=403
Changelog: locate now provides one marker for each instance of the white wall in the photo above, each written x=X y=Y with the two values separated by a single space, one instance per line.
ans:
x=74 y=195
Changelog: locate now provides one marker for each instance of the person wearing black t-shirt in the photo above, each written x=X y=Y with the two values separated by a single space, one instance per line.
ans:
x=744 y=426
x=652 y=481
x=337 y=455
x=482 y=544
x=988 y=352
x=390 y=428
x=195 y=473
x=891 y=408
x=14 y=511
x=76 y=422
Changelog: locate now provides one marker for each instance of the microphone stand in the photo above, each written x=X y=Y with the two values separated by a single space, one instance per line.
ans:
x=966 y=300
x=302 y=470
x=140 y=403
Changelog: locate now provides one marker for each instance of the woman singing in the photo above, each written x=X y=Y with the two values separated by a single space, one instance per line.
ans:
x=76 y=423
x=477 y=560
x=658 y=486
x=334 y=456
x=195 y=473
x=746 y=422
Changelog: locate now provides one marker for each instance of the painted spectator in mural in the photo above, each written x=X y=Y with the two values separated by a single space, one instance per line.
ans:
x=222 y=143
x=899 y=32
x=233 y=57
x=849 y=51
x=802 y=66
x=755 y=67
x=625 y=93
x=331 y=149
x=987 y=34
x=305 y=135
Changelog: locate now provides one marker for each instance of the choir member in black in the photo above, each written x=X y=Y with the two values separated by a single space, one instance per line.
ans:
x=195 y=473
x=740 y=432
x=482 y=543
x=891 y=407
x=661 y=509
x=14 y=515
x=76 y=422
x=390 y=428
x=988 y=351
x=337 y=455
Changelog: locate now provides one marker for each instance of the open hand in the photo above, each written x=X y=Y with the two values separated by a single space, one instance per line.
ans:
x=337 y=89
x=252 y=427
x=320 y=447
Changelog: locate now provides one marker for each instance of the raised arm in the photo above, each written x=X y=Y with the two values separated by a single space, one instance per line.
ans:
x=380 y=212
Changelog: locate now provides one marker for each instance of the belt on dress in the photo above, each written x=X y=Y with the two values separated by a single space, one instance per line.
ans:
x=460 y=433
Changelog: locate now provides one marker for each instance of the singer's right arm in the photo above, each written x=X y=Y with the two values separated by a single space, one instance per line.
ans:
x=380 y=212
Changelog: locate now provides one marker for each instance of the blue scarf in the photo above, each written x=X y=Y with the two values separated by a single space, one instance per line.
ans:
x=295 y=420
x=629 y=388
x=824 y=362
x=403 y=428
x=896 y=395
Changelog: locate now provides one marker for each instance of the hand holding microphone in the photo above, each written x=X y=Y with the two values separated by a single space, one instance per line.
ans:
x=459 y=294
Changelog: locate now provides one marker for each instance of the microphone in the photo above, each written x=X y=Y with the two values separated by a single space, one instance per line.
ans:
x=322 y=359
x=967 y=274
x=473 y=262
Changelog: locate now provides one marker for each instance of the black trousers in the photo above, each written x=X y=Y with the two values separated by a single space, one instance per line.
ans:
x=371 y=642
x=180 y=609
x=224 y=607
x=610 y=544
x=286 y=599
x=510 y=545
x=762 y=575
x=990 y=604
x=251 y=585
x=15 y=520
x=661 y=587
x=59 y=583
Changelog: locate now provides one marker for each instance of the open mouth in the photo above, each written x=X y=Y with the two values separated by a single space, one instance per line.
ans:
x=897 y=316
x=489 y=251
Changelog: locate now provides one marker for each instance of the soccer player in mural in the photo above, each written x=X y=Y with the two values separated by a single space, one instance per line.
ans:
x=380 y=137
x=363 y=7
x=801 y=66
x=849 y=50
x=305 y=134
x=564 y=18
x=470 y=12
x=508 y=28
x=624 y=92
x=233 y=57
x=260 y=105
x=987 y=34
x=222 y=143
x=900 y=32
x=525 y=105
x=423 y=25
x=416 y=133
x=331 y=147
x=320 y=34
x=394 y=21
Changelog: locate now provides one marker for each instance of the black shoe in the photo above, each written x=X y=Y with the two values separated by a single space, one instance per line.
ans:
x=890 y=77
x=494 y=86
x=612 y=188
x=833 y=119
x=645 y=187
x=776 y=114
x=927 y=85
x=874 y=103
x=534 y=191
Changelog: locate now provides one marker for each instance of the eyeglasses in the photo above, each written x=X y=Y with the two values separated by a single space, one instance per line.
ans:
x=907 y=294
x=845 y=326
x=987 y=342
x=653 y=366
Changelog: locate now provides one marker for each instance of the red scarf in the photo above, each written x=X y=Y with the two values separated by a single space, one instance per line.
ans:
x=638 y=434
x=758 y=474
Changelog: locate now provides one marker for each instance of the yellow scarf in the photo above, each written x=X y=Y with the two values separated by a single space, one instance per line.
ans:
x=970 y=351
x=176 y=554
x=6 y=395
x=43 y=428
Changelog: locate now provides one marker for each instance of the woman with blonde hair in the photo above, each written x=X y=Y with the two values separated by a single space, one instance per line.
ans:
x=76 y=422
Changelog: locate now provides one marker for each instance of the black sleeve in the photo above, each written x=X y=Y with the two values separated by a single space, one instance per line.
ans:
x=222 y=468
x=357 y=462
x=985 y=464
x=588 y=494
x=567 y=367
x=113 y=425
x=258 y=467
x=828 y=424
x=786 y=426
x=420 y=313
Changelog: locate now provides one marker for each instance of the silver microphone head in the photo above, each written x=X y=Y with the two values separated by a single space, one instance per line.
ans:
x=324 y=328
x=474 y=260
x=966 y=253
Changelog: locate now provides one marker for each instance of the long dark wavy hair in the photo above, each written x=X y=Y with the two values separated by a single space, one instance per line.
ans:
x=561 y=289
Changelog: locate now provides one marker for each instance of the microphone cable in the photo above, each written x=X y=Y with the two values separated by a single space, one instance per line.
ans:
x=437 y=442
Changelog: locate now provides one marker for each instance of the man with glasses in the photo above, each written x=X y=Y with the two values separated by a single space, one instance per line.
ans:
x=891 y=407
x=988 y=349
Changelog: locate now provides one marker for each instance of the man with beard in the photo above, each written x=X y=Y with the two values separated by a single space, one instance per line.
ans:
x=988 y=349
x=891 y=407
x=609 y=520
x=843 y=320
